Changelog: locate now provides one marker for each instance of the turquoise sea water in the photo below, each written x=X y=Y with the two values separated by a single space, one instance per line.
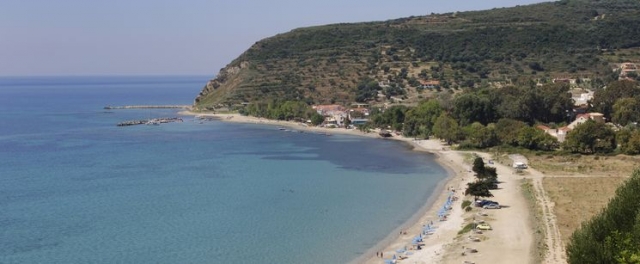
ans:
x=74 y=188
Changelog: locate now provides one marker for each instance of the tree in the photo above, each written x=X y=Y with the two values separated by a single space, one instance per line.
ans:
x=507 y=131
x=392 y=117
x=367 y=89
x=552 y=103
x=532 y=138
x=474 y=107
x=515 y=103
x=317 y=119
x=446 y=128
x=613 y=235
x=482 y=172
x=546 y=141
x=536 y=66
x=478 y=165
x=604 y=99
x=590 y=137
x=479 y=136
x=625 y=111
x=347 y=122
x=527 y=137
x=631 y=146
x=420 y=120
x=478 y=188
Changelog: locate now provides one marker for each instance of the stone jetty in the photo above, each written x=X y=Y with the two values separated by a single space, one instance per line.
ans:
x=153 y=121
x=148 y=107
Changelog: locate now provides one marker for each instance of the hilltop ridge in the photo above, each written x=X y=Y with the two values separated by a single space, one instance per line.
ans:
x=408 y=59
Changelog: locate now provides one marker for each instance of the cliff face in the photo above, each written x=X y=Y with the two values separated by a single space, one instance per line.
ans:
x=413 y=58
x=218 y=90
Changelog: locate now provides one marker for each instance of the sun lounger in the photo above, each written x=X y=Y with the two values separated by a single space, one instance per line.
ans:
x=474 y=239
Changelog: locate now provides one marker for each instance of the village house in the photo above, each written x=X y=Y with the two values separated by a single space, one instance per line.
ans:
x=561 y=133
x=558 y=133
x=334 y=114
x=581 y=118
x=359 y=121
x=626 y=69
x=581 y=97
x=429 y=84
x=384 y=84
x=358 y=113
x=565 y=80
x=326 y=110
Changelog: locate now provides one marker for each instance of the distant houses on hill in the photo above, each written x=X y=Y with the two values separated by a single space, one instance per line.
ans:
x=628 y=71
x=430 y=84
x=336 y=115
x=561 y=132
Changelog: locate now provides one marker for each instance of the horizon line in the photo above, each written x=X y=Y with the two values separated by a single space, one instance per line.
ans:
x=106 y=75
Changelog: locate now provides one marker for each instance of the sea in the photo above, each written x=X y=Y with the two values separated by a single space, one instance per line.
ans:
x=76 y=188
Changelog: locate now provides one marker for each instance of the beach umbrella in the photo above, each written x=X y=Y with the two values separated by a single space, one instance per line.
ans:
x=400 y=250
x=409 y=253
x=388 y=261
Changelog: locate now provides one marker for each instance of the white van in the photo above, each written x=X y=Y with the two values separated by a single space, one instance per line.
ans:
x=519 y=165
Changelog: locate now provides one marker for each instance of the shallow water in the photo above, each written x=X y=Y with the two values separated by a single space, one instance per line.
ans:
x=74 y=188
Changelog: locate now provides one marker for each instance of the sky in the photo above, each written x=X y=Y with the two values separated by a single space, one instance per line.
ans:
x=171 y=37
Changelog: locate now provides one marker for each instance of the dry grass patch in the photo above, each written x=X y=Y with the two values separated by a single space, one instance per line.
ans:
x=578 y=199
x=580 y=165
x=580 y=186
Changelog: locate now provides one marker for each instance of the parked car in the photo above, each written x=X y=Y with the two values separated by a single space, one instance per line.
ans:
x=484 y=226
x=491 y=206
x=481 y=203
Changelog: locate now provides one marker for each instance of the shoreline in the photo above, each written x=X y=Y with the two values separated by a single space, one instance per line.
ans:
x=451 y=161
x=432 y=248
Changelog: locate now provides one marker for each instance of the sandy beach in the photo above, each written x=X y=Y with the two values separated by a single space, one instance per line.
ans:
x=510 y=241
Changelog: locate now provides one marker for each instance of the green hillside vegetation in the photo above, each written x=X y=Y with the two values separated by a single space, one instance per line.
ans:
x=486 y=118
x=613 y=235
x=384 y=62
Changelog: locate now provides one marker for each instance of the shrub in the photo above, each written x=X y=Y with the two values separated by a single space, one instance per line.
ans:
x=466 y=228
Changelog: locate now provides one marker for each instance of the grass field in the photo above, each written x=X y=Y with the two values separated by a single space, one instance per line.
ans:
x=580 y=186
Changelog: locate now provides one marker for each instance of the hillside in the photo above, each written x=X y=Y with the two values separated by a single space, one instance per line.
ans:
x=410 y=58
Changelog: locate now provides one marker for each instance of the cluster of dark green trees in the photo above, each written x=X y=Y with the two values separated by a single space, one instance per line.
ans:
x=283 y=110
x=613 y=235
x=620 y=104
x=485 y=117
x=559 y=32
x=506 y=117
x=486 y=180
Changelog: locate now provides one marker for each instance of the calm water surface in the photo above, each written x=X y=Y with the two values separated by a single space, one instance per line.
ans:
x=74 y=188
